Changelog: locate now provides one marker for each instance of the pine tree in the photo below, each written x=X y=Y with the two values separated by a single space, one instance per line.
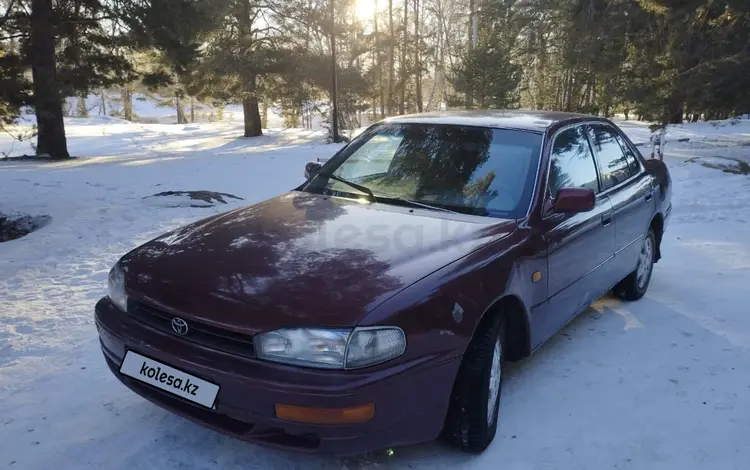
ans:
x=68 y=52
x=486 y=76
x=15 y=88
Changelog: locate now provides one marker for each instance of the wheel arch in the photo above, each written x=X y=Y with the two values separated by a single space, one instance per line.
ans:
x=657 y=224
x=517 y=331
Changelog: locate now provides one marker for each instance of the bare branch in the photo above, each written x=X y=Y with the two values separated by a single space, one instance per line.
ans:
x=13 y=36
x=10 y=7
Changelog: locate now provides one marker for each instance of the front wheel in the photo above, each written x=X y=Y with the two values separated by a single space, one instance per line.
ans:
x=635 y=285
x=472 y=417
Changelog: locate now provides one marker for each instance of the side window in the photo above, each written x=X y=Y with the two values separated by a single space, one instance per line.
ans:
x=613 y=162
x=572 y=164
x=633 y=164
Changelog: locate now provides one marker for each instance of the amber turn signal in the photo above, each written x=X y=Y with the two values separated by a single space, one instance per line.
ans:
x=304 y=414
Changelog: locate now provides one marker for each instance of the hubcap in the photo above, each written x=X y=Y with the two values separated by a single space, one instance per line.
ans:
x=495 y=375
x=645 y=262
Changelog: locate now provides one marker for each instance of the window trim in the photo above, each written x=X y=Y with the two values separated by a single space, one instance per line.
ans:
x=540 y=162
x=630 y=179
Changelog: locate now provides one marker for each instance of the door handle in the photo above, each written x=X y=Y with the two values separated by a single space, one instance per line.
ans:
x=606 y=220
x=649 y=196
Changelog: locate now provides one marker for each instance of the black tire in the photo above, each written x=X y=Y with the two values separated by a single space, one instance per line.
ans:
x=467 y=425
x=634 y=287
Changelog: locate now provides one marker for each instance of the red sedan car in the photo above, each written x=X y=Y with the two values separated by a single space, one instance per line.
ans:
x=376 y=304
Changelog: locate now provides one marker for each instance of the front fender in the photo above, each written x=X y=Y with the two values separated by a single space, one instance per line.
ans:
x=441 y=312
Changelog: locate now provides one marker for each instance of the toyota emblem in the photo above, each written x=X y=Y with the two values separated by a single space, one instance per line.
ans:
x=179 y=326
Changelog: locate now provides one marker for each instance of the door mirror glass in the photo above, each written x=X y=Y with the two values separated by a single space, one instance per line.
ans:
x=574 y=200
x=312 y=169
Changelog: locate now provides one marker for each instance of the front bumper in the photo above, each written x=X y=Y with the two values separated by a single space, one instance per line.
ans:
x=410 y=399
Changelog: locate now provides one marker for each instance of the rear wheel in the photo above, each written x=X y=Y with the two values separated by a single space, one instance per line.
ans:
x=635 y=285
x=472 y=417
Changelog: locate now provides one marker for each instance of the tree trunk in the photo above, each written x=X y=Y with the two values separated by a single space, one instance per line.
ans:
x=469 y=59
x=417 y=64
x=250 y=109
x=402 y=99
x=81 y=109
x=627 y=114
x=180 y=111
x=192 y=109
x=379 y=60
x=102 y=103
x=391 y=65
x=49 y=115
x=568 y=90
x=563 y=90
x=673 y=114
x=439 y=65
x=583 y=102
x=126 y=94
x=250 y=112
x=541 y=78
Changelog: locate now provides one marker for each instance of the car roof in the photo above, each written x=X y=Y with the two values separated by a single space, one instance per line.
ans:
x=510 y=119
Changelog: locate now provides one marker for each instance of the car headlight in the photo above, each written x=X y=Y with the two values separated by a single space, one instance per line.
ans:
x=116 y=288
x=331 y=348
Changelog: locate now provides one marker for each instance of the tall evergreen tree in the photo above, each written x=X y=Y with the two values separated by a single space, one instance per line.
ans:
x=486 y=76
x=68 y=52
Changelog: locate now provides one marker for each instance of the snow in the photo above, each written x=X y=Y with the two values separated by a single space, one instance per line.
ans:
x=660 y=383
x=152 y=108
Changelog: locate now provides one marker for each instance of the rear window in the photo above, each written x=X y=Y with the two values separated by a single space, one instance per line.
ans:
x=633 y=164
x=467 y=169
x=614 y=167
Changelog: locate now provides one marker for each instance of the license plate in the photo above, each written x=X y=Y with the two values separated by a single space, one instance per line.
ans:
x=169 y=379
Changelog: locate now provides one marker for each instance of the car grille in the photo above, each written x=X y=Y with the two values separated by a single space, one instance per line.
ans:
x=199 y=333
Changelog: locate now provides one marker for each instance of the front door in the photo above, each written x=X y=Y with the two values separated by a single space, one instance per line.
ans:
x=580 y=247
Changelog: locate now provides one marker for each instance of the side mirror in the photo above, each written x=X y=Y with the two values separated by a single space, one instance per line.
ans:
x=312 y=169
x=574 y=200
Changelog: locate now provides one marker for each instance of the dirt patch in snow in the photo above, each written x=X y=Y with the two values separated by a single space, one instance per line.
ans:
x=200 y=198
x=725 y=164
x=36 y=159
x=19 y=225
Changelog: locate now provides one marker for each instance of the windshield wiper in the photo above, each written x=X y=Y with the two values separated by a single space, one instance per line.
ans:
x=414 y=203
x=356 y=186
x=373 y=198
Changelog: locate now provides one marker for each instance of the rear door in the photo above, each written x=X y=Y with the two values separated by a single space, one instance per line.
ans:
x=580 y=247
x=629 y=189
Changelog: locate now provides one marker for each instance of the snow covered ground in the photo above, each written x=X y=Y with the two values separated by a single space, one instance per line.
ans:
x=660 y=383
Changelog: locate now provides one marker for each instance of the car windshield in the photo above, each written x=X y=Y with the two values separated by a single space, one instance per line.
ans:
x=473 y=170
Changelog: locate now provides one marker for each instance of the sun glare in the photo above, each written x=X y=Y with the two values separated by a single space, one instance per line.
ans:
x=365 y=9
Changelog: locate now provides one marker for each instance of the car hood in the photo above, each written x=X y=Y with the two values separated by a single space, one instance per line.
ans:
x=299 y=259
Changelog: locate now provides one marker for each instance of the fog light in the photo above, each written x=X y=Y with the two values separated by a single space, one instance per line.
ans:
x=304 y=414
